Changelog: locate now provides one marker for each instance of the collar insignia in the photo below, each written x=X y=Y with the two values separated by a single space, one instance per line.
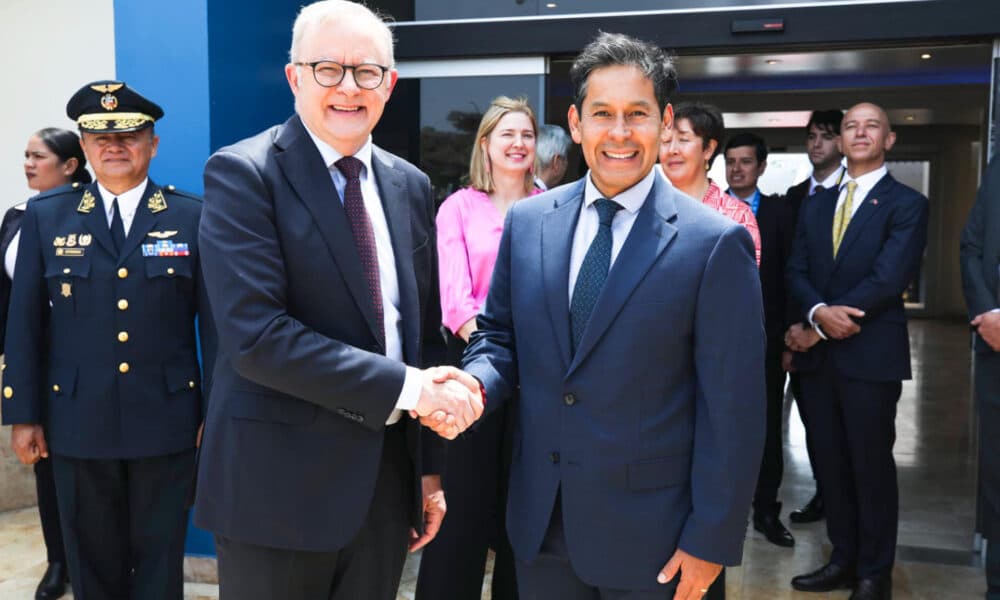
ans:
x=87 y=203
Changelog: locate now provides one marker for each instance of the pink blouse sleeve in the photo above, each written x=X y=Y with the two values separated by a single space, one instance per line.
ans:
x=750 y=222
x=457 y=302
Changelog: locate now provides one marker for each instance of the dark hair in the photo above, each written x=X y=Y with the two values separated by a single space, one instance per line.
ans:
x=826 y=120
x=706 y=122
x=66 y=145
x=749 y=139
x=613 y=49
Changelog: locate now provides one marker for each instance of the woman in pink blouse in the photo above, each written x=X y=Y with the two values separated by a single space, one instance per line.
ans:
x=469 y=224
x=687 y=153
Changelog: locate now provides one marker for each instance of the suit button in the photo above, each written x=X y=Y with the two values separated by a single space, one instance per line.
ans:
x=569 y=399
x=55 y=388
x=191 y=384
x=67 y=271
x=122 y=273
x=8 y=392
x=170 y=270
x=123 y=368
x=123 y=336
x=123 y=304
x=555 y=458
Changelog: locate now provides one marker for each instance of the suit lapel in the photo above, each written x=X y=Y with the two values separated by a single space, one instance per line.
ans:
x=869 y=207
x=558 y=225
x=300 y=161
x=396 y=204
x=144 y=220
x=650 y=235
x=96 y=221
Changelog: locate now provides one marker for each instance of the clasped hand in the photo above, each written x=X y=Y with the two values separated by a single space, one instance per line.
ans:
x=450 y=401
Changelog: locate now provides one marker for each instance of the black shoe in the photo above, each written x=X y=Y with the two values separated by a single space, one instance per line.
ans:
x=873 y=588
x=770 y=525
x=810 y=513
x=827 y=578
x=53 y=584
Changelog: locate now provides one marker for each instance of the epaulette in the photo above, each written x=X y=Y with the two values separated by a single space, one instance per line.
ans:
x=69 y=188
x=173 y=191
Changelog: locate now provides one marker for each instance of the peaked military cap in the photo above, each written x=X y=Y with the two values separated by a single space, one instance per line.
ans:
x=111 y=107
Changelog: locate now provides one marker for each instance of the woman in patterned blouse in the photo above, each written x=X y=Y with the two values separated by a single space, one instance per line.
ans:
x=686 y=155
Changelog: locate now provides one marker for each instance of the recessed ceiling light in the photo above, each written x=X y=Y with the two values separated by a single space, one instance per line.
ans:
x=909 y=117
x=551 y=5
x=773 y=61
x=925 y=56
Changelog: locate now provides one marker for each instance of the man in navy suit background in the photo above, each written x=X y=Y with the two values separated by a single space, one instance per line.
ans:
x=856 y=250
x=640 y=424
x=321 y=265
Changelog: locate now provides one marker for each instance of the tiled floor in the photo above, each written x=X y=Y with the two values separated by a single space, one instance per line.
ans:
x=936 y=479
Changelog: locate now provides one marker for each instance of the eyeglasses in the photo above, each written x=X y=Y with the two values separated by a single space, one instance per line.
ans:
x=329 y=73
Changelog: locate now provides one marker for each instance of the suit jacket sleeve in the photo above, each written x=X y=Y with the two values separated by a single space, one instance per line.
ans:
x=802 y=294
x=980 y=296
x=897 y=262
x=730 y=402
x=27 y=323
x=245 y=277
x=433 y=448
x=491 y=356
x=208 y=341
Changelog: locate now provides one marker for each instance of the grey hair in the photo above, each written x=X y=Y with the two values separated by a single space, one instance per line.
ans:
x=317 y=13
x=552 y=141
x=615 y=49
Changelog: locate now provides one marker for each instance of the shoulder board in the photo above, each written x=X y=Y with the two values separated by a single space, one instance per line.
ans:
x=173 y=191
x=69 y=188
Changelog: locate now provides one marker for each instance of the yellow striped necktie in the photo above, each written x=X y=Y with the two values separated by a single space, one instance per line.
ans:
x=843 y=217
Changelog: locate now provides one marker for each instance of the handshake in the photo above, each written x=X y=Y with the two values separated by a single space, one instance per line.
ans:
x=450 y=401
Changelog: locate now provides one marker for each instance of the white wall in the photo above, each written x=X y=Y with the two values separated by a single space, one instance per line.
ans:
x=49 y=48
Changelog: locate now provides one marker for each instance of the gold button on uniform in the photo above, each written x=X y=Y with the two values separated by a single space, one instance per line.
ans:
x=55 y=388
x=8 y=392
x=170 y=270
x=122 y=273
x=123 y=368
x=122 y=336
x=191 y=384
x=123 y=304
x=67 y=271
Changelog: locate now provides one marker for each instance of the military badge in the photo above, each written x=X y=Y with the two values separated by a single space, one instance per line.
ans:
x=109 y=102
x=166 y=248
x=60 y=241
x=85 y=239
x=87 y=203
x=157 y=203
x=71 y=240
x=67 y=289
x=161 y=235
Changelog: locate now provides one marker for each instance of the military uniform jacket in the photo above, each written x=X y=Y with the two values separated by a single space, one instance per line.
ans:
x=117 y=375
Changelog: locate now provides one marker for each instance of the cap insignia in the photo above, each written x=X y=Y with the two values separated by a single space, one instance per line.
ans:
x=107 y=88
x=109 y=102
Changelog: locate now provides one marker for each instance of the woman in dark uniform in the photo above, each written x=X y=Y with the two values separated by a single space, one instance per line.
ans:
x=53 y=158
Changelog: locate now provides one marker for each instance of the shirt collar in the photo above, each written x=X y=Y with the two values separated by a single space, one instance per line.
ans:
x=749 y=199
x=829 y=183
x=868 y=180
x=331 y=156
x=128 y=201
x=631 y=199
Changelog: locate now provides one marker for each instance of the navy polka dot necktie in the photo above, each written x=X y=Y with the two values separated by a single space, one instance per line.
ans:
x=593 y=270
x=364 y=235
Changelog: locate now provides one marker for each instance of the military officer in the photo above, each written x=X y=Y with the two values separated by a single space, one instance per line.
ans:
x=102 y=351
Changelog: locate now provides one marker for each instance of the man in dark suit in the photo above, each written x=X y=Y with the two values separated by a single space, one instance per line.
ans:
x=102 y=366
x=746 y=161
x=980 y=258
x=640 y=421
x=321 y=266
x=823 y=147
x=856 y=250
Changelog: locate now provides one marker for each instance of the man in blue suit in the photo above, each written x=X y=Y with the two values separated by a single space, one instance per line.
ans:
x=641 y=420
x=856 y=250
x=320 y=262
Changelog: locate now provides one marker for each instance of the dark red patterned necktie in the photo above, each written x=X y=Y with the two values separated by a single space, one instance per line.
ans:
x=364 y=235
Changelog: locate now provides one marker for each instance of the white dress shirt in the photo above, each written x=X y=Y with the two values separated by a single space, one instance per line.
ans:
x=128 y=203
x=11 y=255
x=589 y=221
x=392 y=319
x=832 y=180
x=865 y=183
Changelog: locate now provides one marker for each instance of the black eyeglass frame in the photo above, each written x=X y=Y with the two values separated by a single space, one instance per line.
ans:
x=346 y=68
